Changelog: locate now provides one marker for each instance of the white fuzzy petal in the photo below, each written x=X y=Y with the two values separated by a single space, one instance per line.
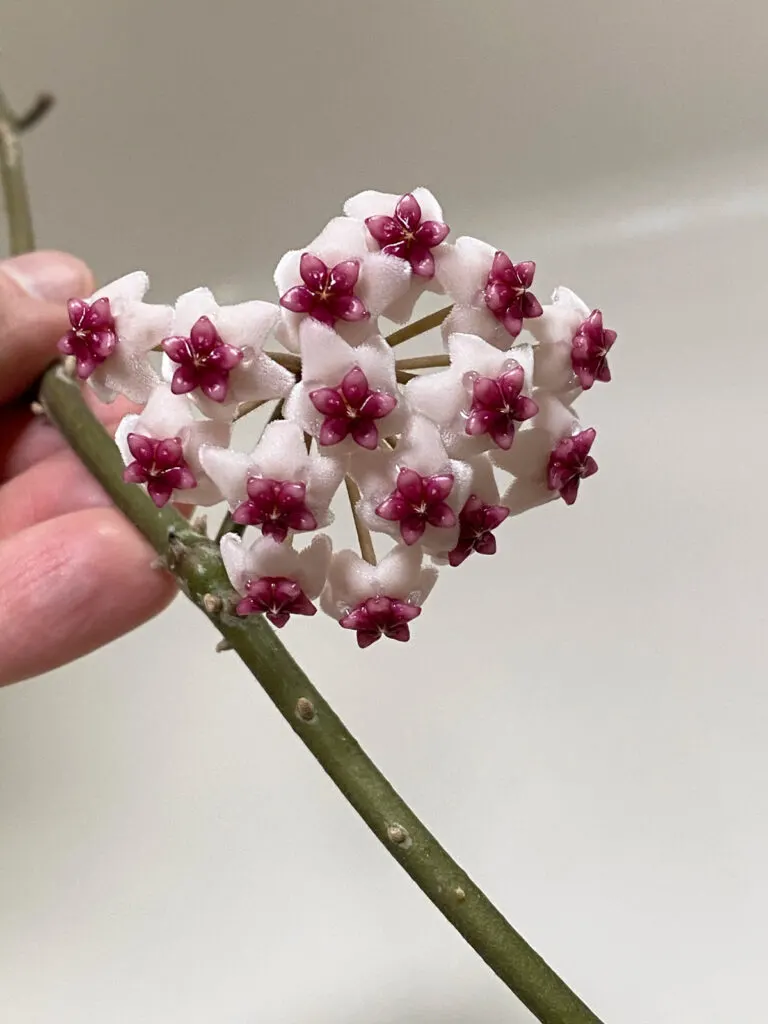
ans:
x=371 y=204
x=126 y=426
x=421 y=447
x=265 y=557
x=528 y=457
x=383 y=280
x=561 y=319
x=314 y=563
x=341 y=239
x=464 y=268
x=522 y=495
x=281 y=453
x=247 y=324
x=553 y=368
x=350 y=581
x=438 y=396
x=325 y=356
x=483 y=482
x=258 y=378
x=398 y=573
x=124 y=374
x=479 y=321
x=128 y=289
x=165 y=414
x=374 y=204
x=287 y=271
x=236 y=556
x=229 y=471
x=190 y=307
x=142 y=327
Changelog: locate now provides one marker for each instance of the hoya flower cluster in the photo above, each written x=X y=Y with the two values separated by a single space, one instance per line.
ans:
x=420 y=454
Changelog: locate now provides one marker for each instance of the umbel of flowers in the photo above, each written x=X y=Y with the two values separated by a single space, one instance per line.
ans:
x=437 y=462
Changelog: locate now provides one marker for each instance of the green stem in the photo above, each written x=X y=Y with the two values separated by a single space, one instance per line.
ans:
x=195 y=562
x=21 y=235
x=418 y=327
x=423 y=362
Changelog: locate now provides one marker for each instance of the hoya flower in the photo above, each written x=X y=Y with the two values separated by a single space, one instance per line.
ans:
x=481 y=514
x=214 y=354
x=415 y=492
x=347 y=398
x=492 y=294
x=338 y=282
x=111 y=336
x=161 y=449
x=573 y=345
x=378 y=600
x=274 y=579
x=279 y=487
x=409 y=227
x=549 y=458
x=481 y=400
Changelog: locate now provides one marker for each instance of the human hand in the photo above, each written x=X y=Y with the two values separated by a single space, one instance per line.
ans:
x=74 y=574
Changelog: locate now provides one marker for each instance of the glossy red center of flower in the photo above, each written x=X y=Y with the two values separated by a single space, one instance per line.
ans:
x=351 y=410
x=570 y=463
x=205 y=361
x=380 y=616
x=589 y=350
x=92 y=337
x=277 y=597
x=408 y=237
x=276 y=506
x=477 y=520
x=498 y=406
x=327 y=293
x=160 y=464
x=418 y=501
x=506 y=293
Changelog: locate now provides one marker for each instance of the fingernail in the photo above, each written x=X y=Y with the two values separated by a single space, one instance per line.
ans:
x=53 y=276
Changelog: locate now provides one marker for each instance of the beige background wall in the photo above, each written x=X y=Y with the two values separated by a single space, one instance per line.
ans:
x=592 y=747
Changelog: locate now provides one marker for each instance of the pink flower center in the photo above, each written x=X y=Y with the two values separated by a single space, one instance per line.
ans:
x=160 y=464
x=276 y=506
x=408 y=237
x=327 y=294
x=351 y=409
x=589 y=350
x=380 y=616
x=506 y=293
x=476 y=523
x=205 y=361
x=277 y=597
x=92 y=337
x=417 y=501
x=570 y=463
x=498 y=406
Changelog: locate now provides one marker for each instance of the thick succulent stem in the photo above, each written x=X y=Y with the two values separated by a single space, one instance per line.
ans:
x=196 y=564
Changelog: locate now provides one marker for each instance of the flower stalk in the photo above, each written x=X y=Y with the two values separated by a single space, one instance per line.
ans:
x=195 y=562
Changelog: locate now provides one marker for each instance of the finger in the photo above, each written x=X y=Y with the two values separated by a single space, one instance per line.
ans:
x=26 y=439
x=58 y=485
x=71 y=585
x=33 y=291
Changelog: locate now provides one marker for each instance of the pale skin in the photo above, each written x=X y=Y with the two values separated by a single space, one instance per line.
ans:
x=74 y=574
